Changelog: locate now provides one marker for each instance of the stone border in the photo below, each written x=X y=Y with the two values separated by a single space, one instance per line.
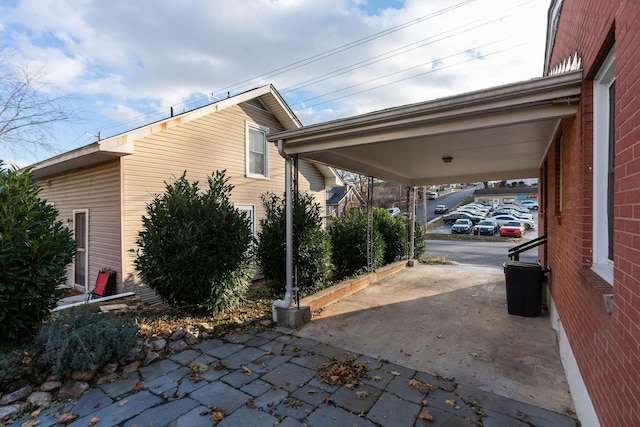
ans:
x=351 y=286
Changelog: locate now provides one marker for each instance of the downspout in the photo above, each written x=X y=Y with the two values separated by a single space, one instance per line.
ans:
x=288 y=295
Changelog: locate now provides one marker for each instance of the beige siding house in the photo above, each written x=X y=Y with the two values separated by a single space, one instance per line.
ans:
x=102 y=190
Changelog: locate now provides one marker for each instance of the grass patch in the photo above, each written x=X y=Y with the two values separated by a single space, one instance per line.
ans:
x=436 y=261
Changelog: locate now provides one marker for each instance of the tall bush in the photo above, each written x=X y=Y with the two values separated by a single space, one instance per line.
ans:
x=34 y=250
x=314 y=262
x=394 y=233
x=194 y=247
x=349 y=244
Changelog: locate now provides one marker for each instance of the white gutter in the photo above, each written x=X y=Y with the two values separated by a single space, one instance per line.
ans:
x=288 y=296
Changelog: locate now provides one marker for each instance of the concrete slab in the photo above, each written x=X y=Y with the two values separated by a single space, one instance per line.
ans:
x=452 y=322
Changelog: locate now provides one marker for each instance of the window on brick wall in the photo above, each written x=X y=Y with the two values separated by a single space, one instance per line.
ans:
x=603 y=167
x=558 y=180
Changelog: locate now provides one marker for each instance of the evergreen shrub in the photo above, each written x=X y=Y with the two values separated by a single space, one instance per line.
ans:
x=349 y=244
x=314 y=263
x=35 y=249
x=79 y=340
x=194 y=248
x=394 y=233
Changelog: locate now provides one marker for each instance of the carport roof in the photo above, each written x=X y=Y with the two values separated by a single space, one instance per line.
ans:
x=493 y=134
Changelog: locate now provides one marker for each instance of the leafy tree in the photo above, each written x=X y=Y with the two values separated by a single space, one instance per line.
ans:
x=194 y=247
x=393 y=232
x=314 y=262
x=349 y=244
x=34 y=250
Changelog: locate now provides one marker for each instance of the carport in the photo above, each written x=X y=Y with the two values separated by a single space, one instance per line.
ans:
x=493 y=134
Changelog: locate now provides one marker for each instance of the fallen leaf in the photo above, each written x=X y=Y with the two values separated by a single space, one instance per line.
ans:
x=362 y=394
x=377 y=378
x=440 y=353
x=311 y=391
x=124 y=402
x=430 y=386
x=66 y=418
x=450 y=402
x=217 y=416
x=328 y=399
x=297 y=349
x=270 y=404
x=395 y=373
x=199 y=367
x=218 y=366
x=415 y=383
x=93 y=421
x=425 y=416
x=36 y=413
x=138 y=386
x=30 y=423
x=97 y=405
x=474 y=354
x=246 y=370
x=251 y=404
x=349 y=386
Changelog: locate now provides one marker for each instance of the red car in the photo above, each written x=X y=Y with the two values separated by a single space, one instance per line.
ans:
x=512 y=228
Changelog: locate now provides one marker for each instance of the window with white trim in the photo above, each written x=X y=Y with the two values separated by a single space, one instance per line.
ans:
x=251 y=213
x=257 y=151
x=603 y=167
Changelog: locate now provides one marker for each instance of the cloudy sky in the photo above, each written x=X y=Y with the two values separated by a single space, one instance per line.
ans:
x=124 y=63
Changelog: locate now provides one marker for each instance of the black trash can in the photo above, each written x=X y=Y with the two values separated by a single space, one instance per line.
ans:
x=524 y=287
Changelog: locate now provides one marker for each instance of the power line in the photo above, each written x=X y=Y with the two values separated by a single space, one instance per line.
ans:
x=328 y=53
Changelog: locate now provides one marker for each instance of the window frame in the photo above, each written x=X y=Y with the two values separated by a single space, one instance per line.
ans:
x=249 y=127
x=602 y=240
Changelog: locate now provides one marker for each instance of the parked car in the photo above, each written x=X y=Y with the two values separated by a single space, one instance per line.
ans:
x=513 y=212
x=512 y=228
x=462 y=226
x=488 y=226
x=440 y=209
x=472 y=211
x=530 y=203
x=394 y=211
x=456 y=215
x=432 y=195
x=501 y=219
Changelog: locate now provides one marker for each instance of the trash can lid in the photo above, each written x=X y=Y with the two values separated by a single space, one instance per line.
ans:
x=522 y=265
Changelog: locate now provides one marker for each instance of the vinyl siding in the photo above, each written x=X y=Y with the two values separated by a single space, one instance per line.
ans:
x=200 y=147
x=97 y=189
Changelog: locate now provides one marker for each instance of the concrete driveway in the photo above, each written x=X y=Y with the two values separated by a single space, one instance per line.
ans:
x=451 y=321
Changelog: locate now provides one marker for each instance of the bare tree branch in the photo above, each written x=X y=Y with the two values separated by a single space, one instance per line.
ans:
x=27 y=111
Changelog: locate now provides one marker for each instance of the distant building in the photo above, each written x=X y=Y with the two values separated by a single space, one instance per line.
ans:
x=495 y=195
x=340 y=199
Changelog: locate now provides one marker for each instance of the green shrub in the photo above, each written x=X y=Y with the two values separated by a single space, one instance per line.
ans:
x=85 y=341
x=314 y=262
x=394 y=233
x=194 y=247
x=349 y=244
x=34 y=249
x=21 y=367
x=419 y=238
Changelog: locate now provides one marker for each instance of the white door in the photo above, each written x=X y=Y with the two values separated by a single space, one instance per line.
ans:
x=81 y=260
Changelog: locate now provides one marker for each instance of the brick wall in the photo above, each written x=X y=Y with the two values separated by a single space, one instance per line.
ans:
x=606 y=346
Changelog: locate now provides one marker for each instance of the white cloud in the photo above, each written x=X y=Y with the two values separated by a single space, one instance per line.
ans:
x=158 y=53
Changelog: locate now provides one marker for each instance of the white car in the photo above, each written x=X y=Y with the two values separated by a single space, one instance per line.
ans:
x=501 y=219
x=530 y=203
x=395 y=211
